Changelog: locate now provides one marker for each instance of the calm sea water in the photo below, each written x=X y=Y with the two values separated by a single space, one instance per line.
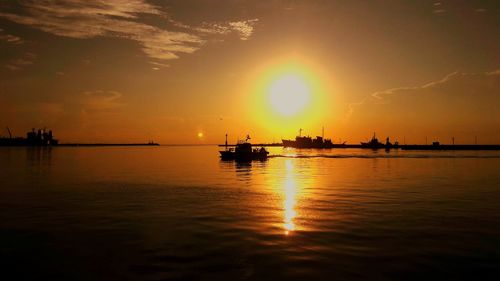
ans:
x=179 y=213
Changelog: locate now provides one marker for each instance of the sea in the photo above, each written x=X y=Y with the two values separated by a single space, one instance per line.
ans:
x=180 y=213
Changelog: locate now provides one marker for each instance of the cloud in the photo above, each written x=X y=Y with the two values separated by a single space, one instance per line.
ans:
x=462 y=104
x=244 y=28
x=9 y=38
x=462 y=81
x=456 y=85
x=117 y=18
x=91 y=108
x=19 y=63
x=100 y=100
x=380 y=95
x=83 y=116
x=86 y=19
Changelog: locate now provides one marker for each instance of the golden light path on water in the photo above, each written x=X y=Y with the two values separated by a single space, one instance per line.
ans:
x=290 y=194
x=286 y=184
x=294 y=185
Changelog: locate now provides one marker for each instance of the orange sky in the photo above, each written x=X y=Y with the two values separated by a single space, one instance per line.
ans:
x=137 y=70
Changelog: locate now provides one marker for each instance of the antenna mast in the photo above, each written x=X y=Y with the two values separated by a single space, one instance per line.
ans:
x=226 y=141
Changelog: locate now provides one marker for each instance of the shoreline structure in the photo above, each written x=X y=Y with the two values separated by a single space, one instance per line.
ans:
x=44 y=137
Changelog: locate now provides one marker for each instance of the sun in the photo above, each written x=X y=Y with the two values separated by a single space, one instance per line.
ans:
x=285 y=95
x=289 y=95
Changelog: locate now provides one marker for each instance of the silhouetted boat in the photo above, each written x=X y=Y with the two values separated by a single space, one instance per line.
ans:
x=375 y=144
x=308 y=142
x=243 y=152
x=42 y=137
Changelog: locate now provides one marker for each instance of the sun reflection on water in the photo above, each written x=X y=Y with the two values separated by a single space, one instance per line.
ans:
x=290 y=194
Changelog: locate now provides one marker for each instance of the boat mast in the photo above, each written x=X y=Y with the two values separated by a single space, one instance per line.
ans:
x=300 y=132
x=323 y=132
x=226 y=142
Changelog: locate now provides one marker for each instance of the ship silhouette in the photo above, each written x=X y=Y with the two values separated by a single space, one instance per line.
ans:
x=308 y=142
x=374 y=143
x=243 y=152
x=41 y=137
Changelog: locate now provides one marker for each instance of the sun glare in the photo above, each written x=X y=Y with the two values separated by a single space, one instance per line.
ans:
x=289 y=95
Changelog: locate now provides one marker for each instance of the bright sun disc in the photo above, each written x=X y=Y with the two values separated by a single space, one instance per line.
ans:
x=289 y=95
x=286 y=94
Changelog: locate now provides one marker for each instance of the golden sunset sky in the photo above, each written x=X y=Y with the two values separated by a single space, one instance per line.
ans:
x=191 y=71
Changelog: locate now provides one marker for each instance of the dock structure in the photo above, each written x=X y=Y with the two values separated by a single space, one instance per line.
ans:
x=451 y=147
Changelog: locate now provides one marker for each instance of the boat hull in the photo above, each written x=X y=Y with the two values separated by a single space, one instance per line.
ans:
x=307 y=144
x=373 y=146
x=243 y=157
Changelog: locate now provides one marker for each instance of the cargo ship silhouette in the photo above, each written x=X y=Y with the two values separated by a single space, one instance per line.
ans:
x=41 y=137
x=308 y=142
x=375 y=144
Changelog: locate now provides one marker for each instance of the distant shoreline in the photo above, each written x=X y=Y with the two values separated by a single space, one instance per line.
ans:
x=335 y=146
x=108 y=144
x=402 y=146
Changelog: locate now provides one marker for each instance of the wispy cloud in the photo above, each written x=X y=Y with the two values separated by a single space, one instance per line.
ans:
x=157 y=65
x=438 y=8
x=99 y=100
x=87 y=19
x=20 y=63
x=118 y=18
x=244 y=28
x=9 y=38
x=451 y=84
x=379 y=95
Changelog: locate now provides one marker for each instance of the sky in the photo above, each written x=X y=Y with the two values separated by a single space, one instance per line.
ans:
x=188 y=72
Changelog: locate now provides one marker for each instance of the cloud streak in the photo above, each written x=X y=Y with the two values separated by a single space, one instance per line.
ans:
x=9 y=38
x=244 y=28
x=100 y=100
x=452 y=85
x=84 y=19
x=20 y=63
